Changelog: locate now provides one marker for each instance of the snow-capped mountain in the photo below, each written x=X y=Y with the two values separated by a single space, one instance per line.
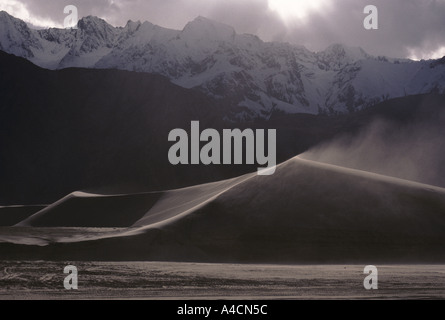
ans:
x=255 y=76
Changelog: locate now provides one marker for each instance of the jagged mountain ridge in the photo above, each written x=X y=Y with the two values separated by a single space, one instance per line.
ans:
x=255 y=76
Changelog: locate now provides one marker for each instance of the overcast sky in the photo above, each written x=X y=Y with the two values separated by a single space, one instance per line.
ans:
x=407 y=28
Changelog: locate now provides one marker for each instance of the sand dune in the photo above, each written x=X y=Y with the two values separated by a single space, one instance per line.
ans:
x=305 y=212
x=80 y=209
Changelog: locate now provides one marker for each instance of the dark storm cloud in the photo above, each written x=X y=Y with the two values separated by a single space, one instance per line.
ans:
x=413 y=28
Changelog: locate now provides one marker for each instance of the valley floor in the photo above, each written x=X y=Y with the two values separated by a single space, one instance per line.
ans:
x=188 y=281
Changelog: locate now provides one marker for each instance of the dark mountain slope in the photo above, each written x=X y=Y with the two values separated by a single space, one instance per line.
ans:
x=76 y=128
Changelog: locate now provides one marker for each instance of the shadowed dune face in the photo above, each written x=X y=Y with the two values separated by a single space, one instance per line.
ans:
x=306 y=212
x=85 y=210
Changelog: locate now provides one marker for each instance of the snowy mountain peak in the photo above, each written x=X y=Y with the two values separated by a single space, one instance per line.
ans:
x=337 y=55
x=341 y=49
x=208 y=30
x=5 y=15
x=8 y=21
x=132 y=25
x=16 y=37
x=95 y=25
x=92 y=21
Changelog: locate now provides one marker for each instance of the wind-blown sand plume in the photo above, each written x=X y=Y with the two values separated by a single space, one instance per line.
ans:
x=305 y=212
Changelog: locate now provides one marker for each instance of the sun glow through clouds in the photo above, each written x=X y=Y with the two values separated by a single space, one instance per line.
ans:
x=295 y=9
x=19 y=10
x=419 y=54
